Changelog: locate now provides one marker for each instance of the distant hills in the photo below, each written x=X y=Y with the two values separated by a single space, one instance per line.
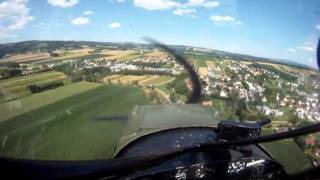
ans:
x=49 y=46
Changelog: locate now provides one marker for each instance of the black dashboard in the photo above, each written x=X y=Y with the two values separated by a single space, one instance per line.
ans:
x=231 y=162
x=245 y=162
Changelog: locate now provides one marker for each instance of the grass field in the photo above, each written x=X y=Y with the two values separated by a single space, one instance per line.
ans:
x=66 y=129
x=17 y=87
x=20 y=106
x=288 y=154
x=200 y=60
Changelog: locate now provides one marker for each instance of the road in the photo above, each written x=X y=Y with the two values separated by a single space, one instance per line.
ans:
x=164 y=95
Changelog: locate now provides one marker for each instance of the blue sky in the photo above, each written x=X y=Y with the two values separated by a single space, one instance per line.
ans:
x=286 y=29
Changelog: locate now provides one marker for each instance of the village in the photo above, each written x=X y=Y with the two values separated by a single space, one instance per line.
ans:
x=244 y=83
x=220 y=79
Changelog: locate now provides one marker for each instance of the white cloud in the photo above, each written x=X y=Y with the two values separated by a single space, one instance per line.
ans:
x=88 y=12
x=187 y=12
x=203 y=3
x=306 y=48
x=114 y=25
x=187 y=8
x=291 y=49
x=39 y=25
x=308 y=43
x=222 y=18
x=238 y=22
x=228 y=20
x=211 y=4
x=120 y=1
x=14 y=16
x=80 y=21
x=318 y=27
x=63 y=3
x=156 y=4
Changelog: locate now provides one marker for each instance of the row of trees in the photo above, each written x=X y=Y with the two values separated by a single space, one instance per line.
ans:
x=179 y=84
x=144 y=72
x=9 y=69
x=34 y=88
x=152 y=64
x=91 y=75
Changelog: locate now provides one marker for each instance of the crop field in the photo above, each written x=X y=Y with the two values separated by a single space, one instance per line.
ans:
x=203 y=71
x=26 y=57
x=65 y=129
x=142 y=80
x=111 y=77
x=288 y=154
x=157 y=80
x=75 y=53
x=17 y=87
x=156 y=54
x=210 y=63
x=85 y=53
x=121 y=54
x=128 y=79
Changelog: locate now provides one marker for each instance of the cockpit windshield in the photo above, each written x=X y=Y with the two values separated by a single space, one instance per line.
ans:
x=79 y=80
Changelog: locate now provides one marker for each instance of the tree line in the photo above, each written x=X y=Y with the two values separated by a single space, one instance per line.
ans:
x=35 y=88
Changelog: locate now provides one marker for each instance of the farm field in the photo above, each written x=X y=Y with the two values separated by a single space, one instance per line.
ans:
x=20 y=106
x=142 y=80
x=73 y=54
x=17 y=87
x=203 y=71
x=156 y=53
x=85 y=53
x=157 y=80
x=25 y=57
x=65 y=129
x=121 y=55
x=211 y=63
x=199 y=60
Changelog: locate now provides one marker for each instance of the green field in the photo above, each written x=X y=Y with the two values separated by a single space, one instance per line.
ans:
x=20 y=106
x=199 y=59
x=17 y=87
x=65 y=129
x=287 y=153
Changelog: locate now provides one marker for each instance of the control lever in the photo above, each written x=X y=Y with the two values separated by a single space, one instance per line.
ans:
x=233 y=130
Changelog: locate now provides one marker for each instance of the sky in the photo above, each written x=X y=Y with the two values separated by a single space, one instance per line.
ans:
x=286 y=29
